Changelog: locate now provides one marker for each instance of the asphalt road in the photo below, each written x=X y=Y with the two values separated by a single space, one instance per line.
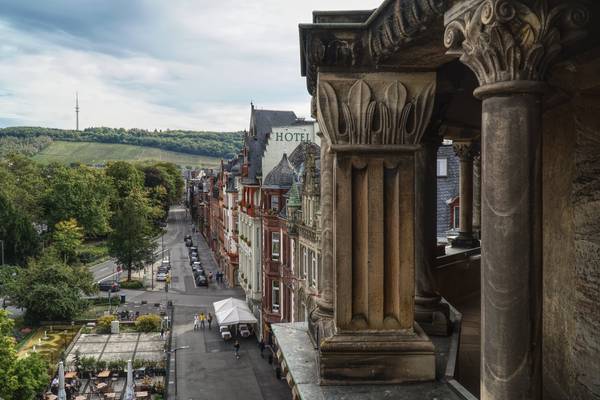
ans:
x=207 y=369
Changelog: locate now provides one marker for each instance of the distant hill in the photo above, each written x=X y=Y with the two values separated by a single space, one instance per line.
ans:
x=101 y=153
x=211 y=144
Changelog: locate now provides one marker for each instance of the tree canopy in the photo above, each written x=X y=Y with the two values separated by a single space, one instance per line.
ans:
x=213 y=144
x=130 y=241
x=59 y=285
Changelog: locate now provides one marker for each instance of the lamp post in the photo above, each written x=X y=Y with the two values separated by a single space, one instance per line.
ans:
x=2 y=244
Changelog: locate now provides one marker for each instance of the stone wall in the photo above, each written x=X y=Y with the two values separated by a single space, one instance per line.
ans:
x=572 y=249
x=447 y=187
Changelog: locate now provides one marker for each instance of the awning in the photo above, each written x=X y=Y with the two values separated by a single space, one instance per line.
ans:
x=235 y=316
x=228 y=304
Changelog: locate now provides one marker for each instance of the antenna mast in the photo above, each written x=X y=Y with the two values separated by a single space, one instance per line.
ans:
x=76 y=111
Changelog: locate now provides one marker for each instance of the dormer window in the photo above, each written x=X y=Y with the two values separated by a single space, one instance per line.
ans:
x=275 y=203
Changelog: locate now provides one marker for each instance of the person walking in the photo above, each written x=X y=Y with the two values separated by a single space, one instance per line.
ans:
x=261 y=344
x=209 y=319
x=236 y=346
x=195 y=322
x=162 y=333
x=202 y=319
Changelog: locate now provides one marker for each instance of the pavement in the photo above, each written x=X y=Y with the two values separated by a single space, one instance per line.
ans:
x=207 y=369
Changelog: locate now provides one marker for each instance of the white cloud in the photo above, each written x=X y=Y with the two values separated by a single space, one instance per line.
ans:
x=178 y=64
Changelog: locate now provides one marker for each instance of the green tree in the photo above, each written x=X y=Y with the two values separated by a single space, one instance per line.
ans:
x=48 y=289
x=80 y=192
x=17 y=233
x=129 y=241
x=67 y=237
x=125 y=177
x=22 y=379
x=8 y=274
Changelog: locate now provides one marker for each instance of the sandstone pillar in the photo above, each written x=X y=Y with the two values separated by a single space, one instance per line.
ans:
x=477 y=195
x=509 y=45
x=374 y=124
x=464 y=149
x=431 y=314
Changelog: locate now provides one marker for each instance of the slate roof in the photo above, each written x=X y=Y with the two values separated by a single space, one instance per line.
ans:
x=298 y=156
x=262 y=123
x=283 y=175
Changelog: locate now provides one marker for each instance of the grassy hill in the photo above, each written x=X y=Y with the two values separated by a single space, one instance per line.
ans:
x=94 y=153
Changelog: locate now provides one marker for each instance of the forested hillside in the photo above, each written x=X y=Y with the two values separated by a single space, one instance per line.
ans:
x=213 y=144
x=28 y=146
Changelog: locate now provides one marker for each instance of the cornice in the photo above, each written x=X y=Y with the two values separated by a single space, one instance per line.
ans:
x=369 y=44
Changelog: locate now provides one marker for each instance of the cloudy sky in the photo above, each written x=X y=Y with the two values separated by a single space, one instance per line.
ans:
x=181 y=64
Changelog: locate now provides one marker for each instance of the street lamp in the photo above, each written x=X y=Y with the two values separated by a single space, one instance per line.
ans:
x=177 y=348
x=2 y=243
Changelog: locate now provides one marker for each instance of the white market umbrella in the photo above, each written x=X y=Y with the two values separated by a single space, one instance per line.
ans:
x=236 y=316
x=129 y=388
x=62 y=395
x=228 y=304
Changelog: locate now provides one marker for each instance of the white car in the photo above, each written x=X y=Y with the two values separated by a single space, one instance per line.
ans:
x=244 y=330
x=225 y=334
x=161 y=277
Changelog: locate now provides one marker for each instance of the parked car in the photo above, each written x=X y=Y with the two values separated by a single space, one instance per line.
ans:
x=162 y=270
x=224 y=331
x=194 y=254
x=199 y=272
x=166 y=264
x=244 y=330
x=193 y=249
x=161 y=276
x=193 y=260
x=109 y=286
x=201 y=281
x=187 y=237
x=189 y=243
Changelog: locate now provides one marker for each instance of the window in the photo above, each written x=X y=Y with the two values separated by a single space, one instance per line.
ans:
x=275 y=203
x=456 y=217
x=275 y=296
x=442 y=167
x=275 y=246
x=304 y=262
x=313 y=270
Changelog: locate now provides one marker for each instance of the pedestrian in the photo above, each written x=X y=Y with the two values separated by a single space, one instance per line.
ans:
x=261 y=344
x=202 y=319
x=236 y=346
x=162 y=333
x=195 y=322
x=209 y=319
x=210 y=276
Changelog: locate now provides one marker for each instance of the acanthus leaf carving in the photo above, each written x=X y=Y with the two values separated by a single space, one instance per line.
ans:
x=380 y=113
x=507 y=40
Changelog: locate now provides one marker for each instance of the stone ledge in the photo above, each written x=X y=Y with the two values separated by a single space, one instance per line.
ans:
x=298 y=354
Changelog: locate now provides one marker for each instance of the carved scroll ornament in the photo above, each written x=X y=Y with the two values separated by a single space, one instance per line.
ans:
x=407 y=19
x=505 y=40
x=374 y=112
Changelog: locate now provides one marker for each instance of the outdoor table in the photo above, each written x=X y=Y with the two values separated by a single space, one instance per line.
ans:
x=104 y=374
x=109 y=396
x=81 y=397
x=101 y=386
x=51 y=396
x=70 y=374
x=141 y=395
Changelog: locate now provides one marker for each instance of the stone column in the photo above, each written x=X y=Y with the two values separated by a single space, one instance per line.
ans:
x=374 y=124
x=477 y=195
x=464 y=149
x=509 y=45
x=431 y=314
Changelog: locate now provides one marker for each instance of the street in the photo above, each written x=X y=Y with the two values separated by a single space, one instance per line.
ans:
x=207 y=369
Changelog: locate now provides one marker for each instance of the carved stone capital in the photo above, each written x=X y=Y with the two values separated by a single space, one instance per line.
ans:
x=465 y=150
x=375 y=109
x=514 y=40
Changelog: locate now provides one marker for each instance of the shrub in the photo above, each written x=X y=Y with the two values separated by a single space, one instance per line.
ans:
x=132 y=284
x=89 y=254
x=87 y=364
x=117 y=365
x=101 y=364
x=148 y=323
x=103 y=323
